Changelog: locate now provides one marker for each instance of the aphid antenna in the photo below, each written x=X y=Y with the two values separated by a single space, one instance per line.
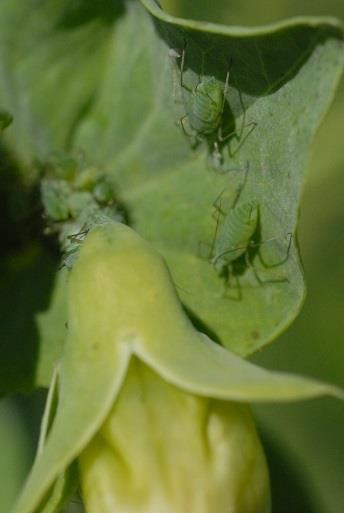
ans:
x=227 y=252
x=238 y=132
x=225 y=90
x=251 y=245
x=217 y=202
x=174 y=55
x=220 y=212
x=182 y=64
x=193 y=136
x=258 y=244
x=250 y=265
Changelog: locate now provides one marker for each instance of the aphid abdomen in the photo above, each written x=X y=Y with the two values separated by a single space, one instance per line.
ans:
x=235 y=234
x=206 y=107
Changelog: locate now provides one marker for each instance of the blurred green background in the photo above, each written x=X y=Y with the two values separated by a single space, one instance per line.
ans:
x=304 y=442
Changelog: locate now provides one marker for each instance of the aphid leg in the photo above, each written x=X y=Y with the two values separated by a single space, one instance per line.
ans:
x=218 y=213
x=217 y=205
x=238 y=288
x=200 y=74
x=239 y=131
x=189 y=135
x=225 y=91
x=227 y=252
x=243 y=124
x=241 y=139
x=250 y=265
x=241 y=186
x=280 y=262
x=180 y=122
x=217 y=202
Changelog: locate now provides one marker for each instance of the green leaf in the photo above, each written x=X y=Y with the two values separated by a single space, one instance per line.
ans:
x=286 y=75
x=120 y=105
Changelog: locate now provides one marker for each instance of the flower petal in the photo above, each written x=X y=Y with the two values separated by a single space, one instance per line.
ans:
x=198 y=365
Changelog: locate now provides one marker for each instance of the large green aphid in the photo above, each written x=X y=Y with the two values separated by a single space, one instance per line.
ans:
x=153 y=411
x=205 y=106
x=205 y=110
x=234 y=239
x=234 y=236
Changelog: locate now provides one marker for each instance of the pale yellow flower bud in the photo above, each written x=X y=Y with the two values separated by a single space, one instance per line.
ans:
x=163 y=450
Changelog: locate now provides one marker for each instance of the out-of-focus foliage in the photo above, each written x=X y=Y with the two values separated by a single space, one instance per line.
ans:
x=14 y=453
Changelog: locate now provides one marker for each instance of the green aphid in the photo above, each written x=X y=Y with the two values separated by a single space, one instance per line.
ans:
x=206 y=106
x=207 y=101
x=234 y=239
x=205 y=117
x=235 y=235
